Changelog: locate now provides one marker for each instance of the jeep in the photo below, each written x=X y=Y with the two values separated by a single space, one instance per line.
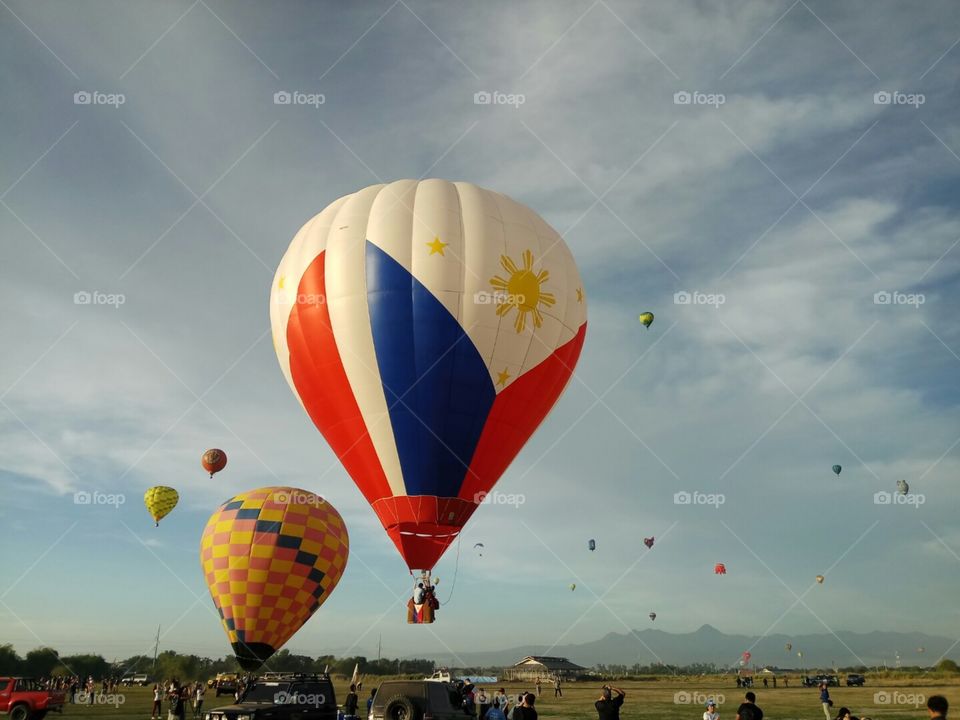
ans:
x=292 y=697
x=418 y=700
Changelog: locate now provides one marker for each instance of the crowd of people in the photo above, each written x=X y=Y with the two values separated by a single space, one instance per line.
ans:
x=178 y=696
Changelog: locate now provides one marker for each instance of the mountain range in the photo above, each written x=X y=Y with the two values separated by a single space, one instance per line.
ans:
x=709 y=645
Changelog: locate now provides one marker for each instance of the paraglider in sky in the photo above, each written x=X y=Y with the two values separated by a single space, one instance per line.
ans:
x=479 y=546
x=902 y=487
x=653 y=616
x=647 y=319
x=820 y=579
x=837 y=469
x=648 y=542
x=720 y=569
x=160 y=500
x=271 y=558
x=592 y=545
x=450 y=319
x=789 y=647
x=213 y=461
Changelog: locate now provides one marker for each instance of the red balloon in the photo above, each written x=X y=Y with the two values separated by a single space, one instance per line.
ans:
x=720 y=569
x=213 y=461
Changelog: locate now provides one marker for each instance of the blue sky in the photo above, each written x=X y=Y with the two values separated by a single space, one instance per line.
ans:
x=792 y=192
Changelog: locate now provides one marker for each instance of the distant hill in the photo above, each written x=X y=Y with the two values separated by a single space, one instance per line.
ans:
x=709 y=645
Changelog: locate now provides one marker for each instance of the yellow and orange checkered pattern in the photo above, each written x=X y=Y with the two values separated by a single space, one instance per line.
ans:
x=271 y=557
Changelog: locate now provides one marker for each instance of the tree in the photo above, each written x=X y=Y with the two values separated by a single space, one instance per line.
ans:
x=40 y=662
x=948 y=666
x=10 y=662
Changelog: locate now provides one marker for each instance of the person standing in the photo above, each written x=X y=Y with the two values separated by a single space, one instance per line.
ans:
x=774 y=682
x=483 y=703
x=711 y=711
x=157 y=694
x=557 y=692
x=825 y=700
x=529 y=712
x=373 y=694
x=539 y=686
x=198 y=692
x=494 y=713
x=501 y=701
x=608 y=707
x=749 y=710
x=350 y=704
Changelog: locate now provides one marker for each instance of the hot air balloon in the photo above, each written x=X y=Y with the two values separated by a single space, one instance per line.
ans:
x=648 y=542
x=653 y=616
x=427 y=328
x=479 y=546
x=800 y=654
x=720 y=569
x=160 y=500
x=592 y=545
x=820 y=579
x=647 y=319
x=271 y=557
x=921 y=650
x=837 y=469
x=746 y=656
x=902 y=487
x=573 y=586
x=789 y=647
x=213 y=461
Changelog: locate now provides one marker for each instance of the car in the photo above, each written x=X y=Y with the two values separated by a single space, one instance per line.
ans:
x=418 y=699
x=855 y=680
x=225 y=683
x=140 y=679
x=830 y=680
x=290 y=697
x=25 y=699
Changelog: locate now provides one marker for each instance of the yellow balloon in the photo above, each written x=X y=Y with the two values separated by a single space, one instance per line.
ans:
x=160 y=500
x=647 y=319
x=820 y=579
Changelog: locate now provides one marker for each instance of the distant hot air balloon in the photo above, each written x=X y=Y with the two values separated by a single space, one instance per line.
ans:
x=436 y=581
x=160 y=500
x=799 y=654
x=789 y=647
x=427 y=328
x=271 y=557
x=648 y=542
x=820 y=579
x=647 y=319
x=653 y=616
x=921 y=650
x=213 y=461
x=720 y=569
x=592 y=545
x=479 y=546
x=573 y=586
x=746 y=656
x=837 y=469
x=902 y=487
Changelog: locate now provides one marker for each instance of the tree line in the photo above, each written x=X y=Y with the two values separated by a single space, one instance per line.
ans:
x=47 y=662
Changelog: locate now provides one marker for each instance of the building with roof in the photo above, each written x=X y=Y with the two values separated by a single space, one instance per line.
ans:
x=543 y=667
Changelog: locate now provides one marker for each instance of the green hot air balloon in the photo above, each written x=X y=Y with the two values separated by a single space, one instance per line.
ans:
x=837 y=469
x=647 y=319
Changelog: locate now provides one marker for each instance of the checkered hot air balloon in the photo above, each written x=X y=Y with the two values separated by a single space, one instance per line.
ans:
x=271 y=557
x=427 y=328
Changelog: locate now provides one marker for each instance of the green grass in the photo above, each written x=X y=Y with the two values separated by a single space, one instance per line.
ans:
x=645 y=700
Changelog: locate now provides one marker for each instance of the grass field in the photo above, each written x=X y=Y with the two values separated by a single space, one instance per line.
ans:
x=669 y=699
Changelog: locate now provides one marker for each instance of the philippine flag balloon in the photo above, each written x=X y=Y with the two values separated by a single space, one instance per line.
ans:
x=427 y=328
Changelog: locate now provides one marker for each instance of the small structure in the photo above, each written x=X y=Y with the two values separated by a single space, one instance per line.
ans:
x=544 y=668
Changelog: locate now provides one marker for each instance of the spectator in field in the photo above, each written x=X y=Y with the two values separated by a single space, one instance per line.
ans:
x=539 y=686
x=774 y=682
x=739 y=682
x=711 y=711
x=350 y=704
x=527 y=709
x=608 y=707
x=483 y=703
x=765 y=682
x=501 y=701
x=373 y=694
x=157 y=694
x=844 y=714
x=786 y=681
x=825 y=701
x=937 y=707
x=198 y=692
x=557 y=692
x=749 y=710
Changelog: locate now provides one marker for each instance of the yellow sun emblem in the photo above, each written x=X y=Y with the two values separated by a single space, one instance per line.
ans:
x=522 y=291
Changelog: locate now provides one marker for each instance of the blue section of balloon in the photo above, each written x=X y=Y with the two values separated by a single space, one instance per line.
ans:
x=438 y=389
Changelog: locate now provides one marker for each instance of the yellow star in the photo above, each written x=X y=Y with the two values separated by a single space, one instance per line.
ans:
x=579 y=295
x=436 y=246
x=502 y=377
x=280 y=284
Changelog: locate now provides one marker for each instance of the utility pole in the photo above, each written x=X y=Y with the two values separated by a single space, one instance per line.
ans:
x=156 y=646
x=379 y=644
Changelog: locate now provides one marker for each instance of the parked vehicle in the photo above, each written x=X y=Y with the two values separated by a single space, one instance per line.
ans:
x=140 y=679
x=292 y=697
x=25 y=699
x=417 y=700
x=225 y=683
x=855 y=680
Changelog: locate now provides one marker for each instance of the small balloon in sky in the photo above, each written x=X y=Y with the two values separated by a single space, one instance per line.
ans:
x=647 y=319
x=837 y=469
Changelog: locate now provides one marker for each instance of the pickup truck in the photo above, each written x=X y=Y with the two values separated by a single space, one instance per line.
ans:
x=26 y=699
